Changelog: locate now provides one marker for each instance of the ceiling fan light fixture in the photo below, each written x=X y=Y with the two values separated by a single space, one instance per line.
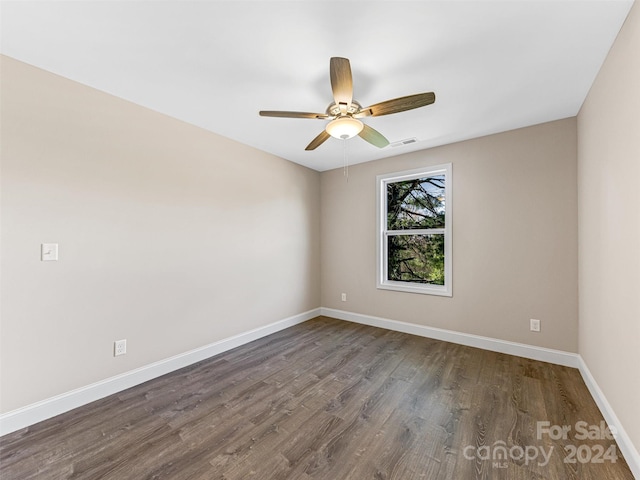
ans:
x=344 y=127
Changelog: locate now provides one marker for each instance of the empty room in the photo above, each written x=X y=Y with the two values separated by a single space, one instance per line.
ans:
x=320 y=240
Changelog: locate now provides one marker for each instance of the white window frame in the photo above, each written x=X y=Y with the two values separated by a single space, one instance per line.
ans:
x=382 y=233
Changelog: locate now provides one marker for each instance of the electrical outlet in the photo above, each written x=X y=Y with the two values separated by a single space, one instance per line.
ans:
x=119 y=347
x=534 y=325
x=344 y=297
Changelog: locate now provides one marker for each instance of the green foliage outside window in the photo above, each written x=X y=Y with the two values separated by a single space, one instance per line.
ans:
x=411 y=205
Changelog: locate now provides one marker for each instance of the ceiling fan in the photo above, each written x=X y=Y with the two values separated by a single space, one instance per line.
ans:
x=345 y=112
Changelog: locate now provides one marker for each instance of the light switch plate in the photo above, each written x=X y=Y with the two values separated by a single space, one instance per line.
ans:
x=49 y=252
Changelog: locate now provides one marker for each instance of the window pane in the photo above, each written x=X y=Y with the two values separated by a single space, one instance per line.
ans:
x=416 y=203
x=416 y=258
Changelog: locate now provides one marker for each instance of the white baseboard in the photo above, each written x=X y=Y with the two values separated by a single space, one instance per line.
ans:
x=558 y=357
x=627 y=448
x=37 y=412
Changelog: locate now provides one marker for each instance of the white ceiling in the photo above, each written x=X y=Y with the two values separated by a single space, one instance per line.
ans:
x=494 y=65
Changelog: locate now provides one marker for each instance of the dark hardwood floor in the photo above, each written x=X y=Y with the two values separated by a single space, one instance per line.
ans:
x=328 y=400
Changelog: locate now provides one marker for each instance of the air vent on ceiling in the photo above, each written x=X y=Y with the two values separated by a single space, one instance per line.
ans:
x=402 y=143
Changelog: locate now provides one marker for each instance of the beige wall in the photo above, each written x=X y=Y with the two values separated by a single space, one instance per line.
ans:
x=514 y=238
x=170 y=236
x=609 y=227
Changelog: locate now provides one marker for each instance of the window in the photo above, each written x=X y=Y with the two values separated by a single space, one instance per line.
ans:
x=414 y=231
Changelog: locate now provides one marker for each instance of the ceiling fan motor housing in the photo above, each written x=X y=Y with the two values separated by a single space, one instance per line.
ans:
x=334 y=109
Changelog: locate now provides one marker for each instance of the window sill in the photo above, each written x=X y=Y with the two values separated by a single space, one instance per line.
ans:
x=442 y=291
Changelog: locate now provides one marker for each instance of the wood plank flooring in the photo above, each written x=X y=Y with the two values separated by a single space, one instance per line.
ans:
x=327 y=400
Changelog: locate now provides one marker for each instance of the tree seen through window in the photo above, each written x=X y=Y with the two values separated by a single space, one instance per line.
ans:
x=417 y=204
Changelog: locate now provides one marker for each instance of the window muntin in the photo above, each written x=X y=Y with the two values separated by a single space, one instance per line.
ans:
x=414 y=241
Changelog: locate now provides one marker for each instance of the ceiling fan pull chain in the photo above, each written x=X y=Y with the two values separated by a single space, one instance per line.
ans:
x=345 y=159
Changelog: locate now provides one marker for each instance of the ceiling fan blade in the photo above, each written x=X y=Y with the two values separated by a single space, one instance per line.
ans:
x=373 y=136
x=341 y=82
x=319 y=140
x=282 y=114
x=397 y=105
